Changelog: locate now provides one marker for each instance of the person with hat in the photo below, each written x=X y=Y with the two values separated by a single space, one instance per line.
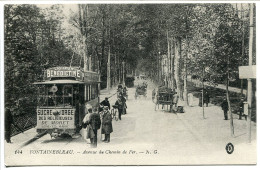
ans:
x=85 y=126
x=224 y=106
x=206 y=98
x=94 y=123
x=200 y=99
x=105 y=103
x=107 y=127
x=120 y=106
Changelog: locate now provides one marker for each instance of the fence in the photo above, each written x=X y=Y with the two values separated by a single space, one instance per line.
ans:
x=24 y=121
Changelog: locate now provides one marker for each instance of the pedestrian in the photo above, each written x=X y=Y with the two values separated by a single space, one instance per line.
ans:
x=94 y=123
x=206 y=98
x=124 y=104
x=120 y=106
x=241 y=108
x=8 y=122
x=200 y=99
x=106 y=125
x=224 y=106
x=105 y=103
x=175 y=99
x=85 y=126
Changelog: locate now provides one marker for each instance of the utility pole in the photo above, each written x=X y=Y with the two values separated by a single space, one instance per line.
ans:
x=243 y=45
x=228 y=100
x=249 y=81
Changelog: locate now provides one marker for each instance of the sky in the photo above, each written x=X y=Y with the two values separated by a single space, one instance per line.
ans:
x=67 y=7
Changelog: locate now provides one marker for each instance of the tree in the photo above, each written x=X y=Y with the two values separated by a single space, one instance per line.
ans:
x=32 y=44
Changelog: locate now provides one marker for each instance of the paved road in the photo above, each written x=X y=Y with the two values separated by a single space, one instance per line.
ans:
x=145 y=136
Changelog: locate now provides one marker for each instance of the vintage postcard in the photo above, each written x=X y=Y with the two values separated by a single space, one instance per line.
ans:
x=129 y=83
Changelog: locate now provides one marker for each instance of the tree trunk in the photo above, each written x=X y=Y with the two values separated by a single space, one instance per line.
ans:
x=85 y=55
x=177 y=65
x=185 y=72
x=108 y=69
x=172 y=66
x=168 y=59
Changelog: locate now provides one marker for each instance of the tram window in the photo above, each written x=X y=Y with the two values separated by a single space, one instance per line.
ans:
x=51 y=100
x=58 y=96
x=61 y=97
x=68 y=95
x=94 y=91
x=42 y=97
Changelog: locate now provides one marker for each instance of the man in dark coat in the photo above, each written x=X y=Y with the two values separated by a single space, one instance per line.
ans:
x=106 y=103
x=224 y=106
x=8 y=122
x=200 y=99
x=94 y=123
x=241 y=108
x=106 y=125
x=120 y=106
x=206 y=98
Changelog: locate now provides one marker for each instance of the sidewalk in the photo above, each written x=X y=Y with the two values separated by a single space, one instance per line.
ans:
x=214 y=131
x=108 y=93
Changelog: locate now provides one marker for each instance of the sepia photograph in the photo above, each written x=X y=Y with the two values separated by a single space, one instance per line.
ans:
x=129 y=83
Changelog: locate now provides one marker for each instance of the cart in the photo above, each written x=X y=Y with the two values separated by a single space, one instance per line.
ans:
x=164 y=96
x=140 y=90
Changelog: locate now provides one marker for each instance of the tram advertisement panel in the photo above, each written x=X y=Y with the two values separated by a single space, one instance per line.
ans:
x=63 y=72
x=55 y=118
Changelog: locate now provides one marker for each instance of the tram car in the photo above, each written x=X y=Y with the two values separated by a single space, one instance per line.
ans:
x=62 y=96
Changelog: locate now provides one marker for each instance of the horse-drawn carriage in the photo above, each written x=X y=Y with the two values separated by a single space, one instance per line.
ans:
x=141 y=90
x=164 y=96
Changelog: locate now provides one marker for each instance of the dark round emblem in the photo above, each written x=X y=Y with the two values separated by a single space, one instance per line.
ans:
x=229 y=148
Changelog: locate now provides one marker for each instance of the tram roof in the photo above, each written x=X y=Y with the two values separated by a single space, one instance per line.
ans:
x=60 y=82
